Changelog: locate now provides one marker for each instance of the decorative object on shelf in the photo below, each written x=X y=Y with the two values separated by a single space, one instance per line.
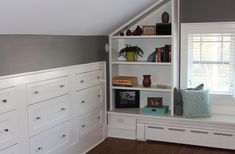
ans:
x=128 y=32
x=131 y=53
x=154 y=102
x=126 y=81
x=149 y=30
x=152 y=57
x=163 y=54
x=147 y=80
x=163 y=29
x=121 y=34
x=137 y=31
x=162 y=86
x=156 y=110
x=165 y=17
x=127 y=98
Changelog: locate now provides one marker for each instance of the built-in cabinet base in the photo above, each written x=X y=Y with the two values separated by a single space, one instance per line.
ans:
x=211 y=132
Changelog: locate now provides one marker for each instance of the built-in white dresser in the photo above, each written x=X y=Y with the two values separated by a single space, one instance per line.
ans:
x=53 y=111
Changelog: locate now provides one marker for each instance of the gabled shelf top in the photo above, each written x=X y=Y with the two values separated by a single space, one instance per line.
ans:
x=140 y=16
x=143 y=37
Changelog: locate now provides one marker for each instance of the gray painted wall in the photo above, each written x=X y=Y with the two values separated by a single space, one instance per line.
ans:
x=25 y=53
x=207 y=11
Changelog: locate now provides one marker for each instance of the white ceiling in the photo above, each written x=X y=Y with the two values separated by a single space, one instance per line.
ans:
x=67 y=17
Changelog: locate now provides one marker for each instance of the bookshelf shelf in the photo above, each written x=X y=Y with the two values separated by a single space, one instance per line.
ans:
x=140 y=87
x=143 y=37
x=141 y=63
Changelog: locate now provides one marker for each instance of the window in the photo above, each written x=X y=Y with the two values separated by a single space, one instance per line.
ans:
x=208 y=56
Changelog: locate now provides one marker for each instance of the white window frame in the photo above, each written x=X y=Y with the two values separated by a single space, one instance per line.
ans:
x=212 y=27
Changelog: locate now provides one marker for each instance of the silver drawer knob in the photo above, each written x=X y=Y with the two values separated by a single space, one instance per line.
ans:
x=36 y=92
x=61 y=86
x=4 y=100
x=38 y=118
x=63 y=109
x=63 y=136
x=83 y=101
x=39 y=149
x=6 y=130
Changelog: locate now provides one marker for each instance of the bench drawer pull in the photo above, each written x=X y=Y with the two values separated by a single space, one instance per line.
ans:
x=223 y=134
x=155 y=127
x=199 y=132
x=176 y=129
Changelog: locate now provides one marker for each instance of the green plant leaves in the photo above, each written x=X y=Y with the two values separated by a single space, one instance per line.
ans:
x=129 y=48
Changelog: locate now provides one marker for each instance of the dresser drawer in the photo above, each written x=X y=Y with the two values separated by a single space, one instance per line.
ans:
x=10 y=150
x=87 y=79
x=90 y=123
x=7 y=100
x=51 y=140
x=89 y=99
x=47 y=89
x=46 y=114
x=8 y=129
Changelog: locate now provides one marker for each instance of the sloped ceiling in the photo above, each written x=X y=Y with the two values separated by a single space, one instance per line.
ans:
x=67 y=17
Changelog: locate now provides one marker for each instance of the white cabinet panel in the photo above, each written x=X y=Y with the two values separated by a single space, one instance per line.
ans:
x=7 y=100
x=47 y=89
x=122 y=122
x=10 y=150
x=87 y=79
x=8 y=135
x=48 y=113
x=193 y=136
x=90 y=123
x=89 y=99
x=51 y=140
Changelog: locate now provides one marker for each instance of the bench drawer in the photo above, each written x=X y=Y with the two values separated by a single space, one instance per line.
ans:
x=122 y=122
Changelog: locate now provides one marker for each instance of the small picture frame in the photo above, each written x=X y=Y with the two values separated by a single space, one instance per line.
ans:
x=149 y=30
x=127 y=98
x=154 y=102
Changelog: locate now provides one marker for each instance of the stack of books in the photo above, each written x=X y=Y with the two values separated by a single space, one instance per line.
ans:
x=126 y=81
x=163 y=54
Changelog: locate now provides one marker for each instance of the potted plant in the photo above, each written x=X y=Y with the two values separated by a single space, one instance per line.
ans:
x=131 y=52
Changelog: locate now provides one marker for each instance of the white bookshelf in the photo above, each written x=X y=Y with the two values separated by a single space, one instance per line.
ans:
x=162 y=73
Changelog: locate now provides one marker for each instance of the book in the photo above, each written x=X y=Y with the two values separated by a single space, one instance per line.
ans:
x=125 y=81
x=163 y=54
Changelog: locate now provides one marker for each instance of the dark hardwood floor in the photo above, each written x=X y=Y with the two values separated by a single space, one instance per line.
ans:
x=122 y=146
